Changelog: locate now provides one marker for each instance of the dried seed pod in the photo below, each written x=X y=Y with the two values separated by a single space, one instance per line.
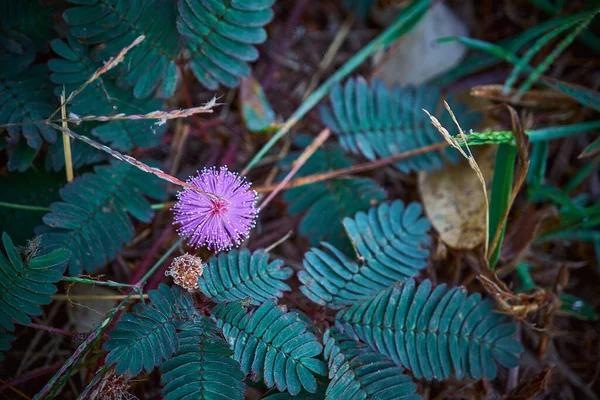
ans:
x=185 y=271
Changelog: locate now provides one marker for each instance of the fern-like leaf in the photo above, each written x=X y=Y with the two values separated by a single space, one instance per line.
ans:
x=114 y=25
x=376 y=122
x=202 y=368
x=27 y=282
x=32 y=19
x=392 y=242
x=102 y=98
x=146 y=337
x=220 y=35
x=241 y=275
x=356 y=372
x=434 y=331
x=92 y=220
x=326 y=203
x=25 y=98
x=272 y=344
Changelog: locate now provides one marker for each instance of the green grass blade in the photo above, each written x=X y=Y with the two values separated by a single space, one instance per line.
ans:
x=537 y=166
x=533 y=50
x=587 y=97
x=501 y=188
x=553 y=56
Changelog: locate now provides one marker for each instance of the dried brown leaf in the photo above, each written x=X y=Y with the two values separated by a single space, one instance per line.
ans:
x=455 y=203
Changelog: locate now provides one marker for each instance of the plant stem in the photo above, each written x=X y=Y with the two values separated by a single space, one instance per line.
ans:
x=66 y=139
x=403 y=24
x=51 y=329
x=317 y=142
x=95 y=282
x=24 y=207
x=157 y=265
x=352 y=170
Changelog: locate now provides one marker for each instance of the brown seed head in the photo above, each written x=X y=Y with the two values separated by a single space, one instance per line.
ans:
x=185 y=271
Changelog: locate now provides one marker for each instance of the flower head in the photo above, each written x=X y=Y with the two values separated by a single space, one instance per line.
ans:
x=185 y=271
x=217 y=223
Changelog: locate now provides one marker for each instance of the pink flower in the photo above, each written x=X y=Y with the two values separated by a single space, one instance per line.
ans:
x=218 y=224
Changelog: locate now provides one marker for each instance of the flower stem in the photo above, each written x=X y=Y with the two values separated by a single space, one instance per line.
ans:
x=24 y=207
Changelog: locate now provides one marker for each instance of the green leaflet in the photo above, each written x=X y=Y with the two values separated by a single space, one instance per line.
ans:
x=391 y=241
x=27 y=281
x=142 y=339
x=241 y=275
x=202 y=367
x=272 y=344
x=113 y=25
x=434 y=332
x=92 y=221
x=220 y=35
x=357 y=372
x=377 y=123
x=326 y=203
x=102 y=97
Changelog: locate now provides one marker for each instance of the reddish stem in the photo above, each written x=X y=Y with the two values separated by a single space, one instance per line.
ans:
x=147 y=261
x=31 y=375
x=53 y=330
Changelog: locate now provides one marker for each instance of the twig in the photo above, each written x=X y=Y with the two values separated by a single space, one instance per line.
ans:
x=132 y=161
x=352 y=170
x=159 y=115
x=69 y=297
x=110 y=64
x=279 y=241
x=51 y=329
x=317 y=142
x=66 y=139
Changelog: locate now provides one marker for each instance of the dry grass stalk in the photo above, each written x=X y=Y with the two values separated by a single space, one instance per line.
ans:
x=456 y=144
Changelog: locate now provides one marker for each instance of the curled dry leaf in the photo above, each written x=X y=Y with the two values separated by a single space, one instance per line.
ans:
x=454 y=201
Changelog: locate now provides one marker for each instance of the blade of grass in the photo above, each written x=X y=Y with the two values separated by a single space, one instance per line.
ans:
x=405 y=21
x=501 y=190
x=477 y=62
x=537 y=169
x=533 y=50
x=540 y=69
